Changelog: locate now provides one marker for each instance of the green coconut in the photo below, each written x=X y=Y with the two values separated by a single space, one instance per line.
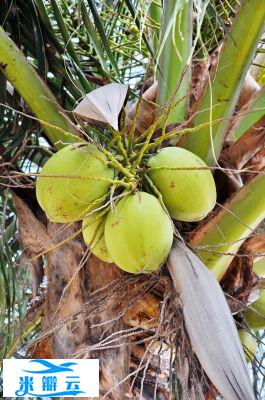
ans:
x=254 y=320
x=94 y=237
x=65 y=200
x=250 y=344
x=189 y=195
x=138 y=233
x=259 y=267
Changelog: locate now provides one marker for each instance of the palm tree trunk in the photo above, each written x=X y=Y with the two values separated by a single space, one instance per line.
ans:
x=94 y=310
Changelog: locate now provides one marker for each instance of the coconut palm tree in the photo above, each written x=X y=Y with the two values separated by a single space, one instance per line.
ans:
x=196 y=75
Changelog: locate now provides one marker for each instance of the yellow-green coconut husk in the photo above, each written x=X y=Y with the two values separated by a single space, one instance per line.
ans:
x=250 y=344
x=189 y=195
x=138 y=233
x=256 y=320
x=94 y=236
x=66 y=199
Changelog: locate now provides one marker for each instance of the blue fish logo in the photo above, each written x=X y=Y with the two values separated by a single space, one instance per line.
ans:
x=51 y=368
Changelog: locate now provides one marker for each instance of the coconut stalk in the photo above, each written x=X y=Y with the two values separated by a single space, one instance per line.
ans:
x=221 y=94
x=218 y=241
x=249 y=115
x=37 y=95
x=155 y=13
x=173 y=74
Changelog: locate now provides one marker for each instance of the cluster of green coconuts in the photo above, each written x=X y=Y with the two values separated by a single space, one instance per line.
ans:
x=137 y=231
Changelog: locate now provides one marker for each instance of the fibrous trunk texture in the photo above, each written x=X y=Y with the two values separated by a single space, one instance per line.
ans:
x=133 y=324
